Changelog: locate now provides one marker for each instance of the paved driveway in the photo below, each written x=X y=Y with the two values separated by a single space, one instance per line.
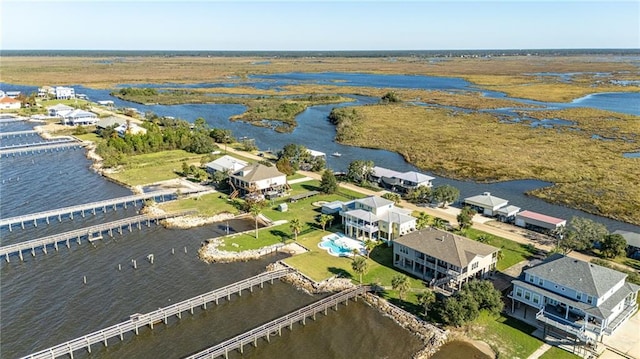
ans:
x=627 y=338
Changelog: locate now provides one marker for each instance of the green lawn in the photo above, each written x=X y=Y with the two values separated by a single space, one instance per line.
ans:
x=248 y=241
x=513 y=252
x=557 y=353
x=295 y=176
x=511 y=337
x=206 y=205
x=155 y=167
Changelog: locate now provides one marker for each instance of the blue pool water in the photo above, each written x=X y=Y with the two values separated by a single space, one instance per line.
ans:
x=340 y=246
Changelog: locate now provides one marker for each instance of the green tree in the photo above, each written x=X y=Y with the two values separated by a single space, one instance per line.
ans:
x=390 y=97
x=369 y=245
x=423 y=220
x=445 y=194
x=400 y=282
x=613 y=245
x=323 y=219
x=359 y=171
x=393 y=197
x=570 y=242
x=296 y=227
x=318 y=164
x=439 y=223
x=295 y=154
x=426 y=299
x=421 y=194
x=284 y=165
x=359 y=265
x=465 y=217
x=587 y=232
x=328 y=183
x=486 y=295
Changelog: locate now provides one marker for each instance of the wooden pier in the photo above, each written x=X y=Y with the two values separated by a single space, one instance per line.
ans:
x=138 y=321
x=18 y=133
x=38 y=144
x=41 y=147
x=88 y=207
x=274 y=327
x=89 y=233
x=12 y=119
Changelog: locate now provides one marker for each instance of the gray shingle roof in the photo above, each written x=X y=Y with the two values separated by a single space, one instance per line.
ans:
x=446 y=246
x=582 y=276
x=632 y=238
x=257 y=172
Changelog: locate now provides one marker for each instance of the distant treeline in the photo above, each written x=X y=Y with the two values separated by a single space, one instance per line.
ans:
x=369 y=53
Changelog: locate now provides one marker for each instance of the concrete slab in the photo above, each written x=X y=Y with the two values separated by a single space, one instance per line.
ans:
x=626 y=339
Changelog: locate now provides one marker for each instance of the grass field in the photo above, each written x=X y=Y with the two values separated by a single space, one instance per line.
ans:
x=512 y=252
x=587 y=173
x=207 y=205
x=154 y=167
x=557 y=353
x=511 y=337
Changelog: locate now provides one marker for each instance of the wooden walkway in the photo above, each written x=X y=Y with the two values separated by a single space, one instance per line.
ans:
x=41 y=147
x=137 y=321
x=88 y=207
x=275 y=326
x=88 y=233
x=18 y=133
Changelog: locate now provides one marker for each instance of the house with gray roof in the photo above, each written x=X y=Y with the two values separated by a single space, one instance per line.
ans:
x=374 y=217
x=442 y=258
x=486 y=203
x=226 y=163
x=400 y=181
x=580 y=299
x=633 y=242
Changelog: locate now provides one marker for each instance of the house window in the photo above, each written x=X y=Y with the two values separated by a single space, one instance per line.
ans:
x=518 y=292
x=532 y=278
x=540 y=281
x=590 y=299
x=527 y=295
x=404 y=250
x=536 y=299
x=474 y=265
x=578 y=296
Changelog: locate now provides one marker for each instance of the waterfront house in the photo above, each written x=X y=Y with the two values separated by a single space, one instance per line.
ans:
x=111 y=121
x=443 y=259
x=376 y=217
x=226 y=164
x=258 y=180
x=46 y=92
x=399 y=181
x=79 y=117
x=486 y=204
x=65 y=93
x=8 y=103
x=130 y=128
x=59 y=110
x=633 y=242
x=575 y=299
x=539 y=222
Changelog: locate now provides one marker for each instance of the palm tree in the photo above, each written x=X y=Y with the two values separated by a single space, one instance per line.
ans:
x=324 y=219
x=423 y=220
x=255 y=211
x=296 y=227
x=425 y=299
x=360 y=266
x=400 y=283
x=439 y=223
x=369 y=245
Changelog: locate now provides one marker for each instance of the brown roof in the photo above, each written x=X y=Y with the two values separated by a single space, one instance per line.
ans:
x=8 y=99
x=257 y=172
x=446 y=246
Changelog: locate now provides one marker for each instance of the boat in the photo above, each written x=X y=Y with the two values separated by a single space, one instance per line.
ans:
x=336 y=154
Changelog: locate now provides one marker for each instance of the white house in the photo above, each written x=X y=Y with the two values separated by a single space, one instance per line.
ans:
x=225 y=163
x=259 y=180
x=538 y=221
x=577 y=298
x=486 y=203
x=46 y=92
x=8 y=103
x=376 y=217
x=65 y=93
x=442 y=258
x=130 y=128
x=59 y=110
x=400 y=181
x=79 y=117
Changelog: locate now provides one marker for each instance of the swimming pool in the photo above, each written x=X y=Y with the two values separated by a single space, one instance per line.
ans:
x=337 y=244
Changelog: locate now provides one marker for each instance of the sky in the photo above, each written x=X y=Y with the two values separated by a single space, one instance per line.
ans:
x=318 y=25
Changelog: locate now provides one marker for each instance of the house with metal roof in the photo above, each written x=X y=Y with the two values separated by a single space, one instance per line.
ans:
x=486 y=204
x=442 y=258
x=633 y=242
x=539 y=222
x=400 y=181
x=259 y=180
x=226 y=163
x=374 y=217
x=579 y=299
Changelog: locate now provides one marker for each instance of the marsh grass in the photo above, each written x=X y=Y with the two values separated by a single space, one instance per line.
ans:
x=587 y=174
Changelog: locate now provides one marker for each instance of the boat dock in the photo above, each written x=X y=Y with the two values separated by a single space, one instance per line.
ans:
x=38 y=144
x=275 y=326
x=89 y=207
x=18 y=133
x=49 y=146
x=89 y=233
x=137 y=321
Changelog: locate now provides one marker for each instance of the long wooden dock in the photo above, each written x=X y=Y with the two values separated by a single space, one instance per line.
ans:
x=88 y=207
x=42 y=147
x=275 y=326
x=88 y=233
x=18 y=133
x=137 y=321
